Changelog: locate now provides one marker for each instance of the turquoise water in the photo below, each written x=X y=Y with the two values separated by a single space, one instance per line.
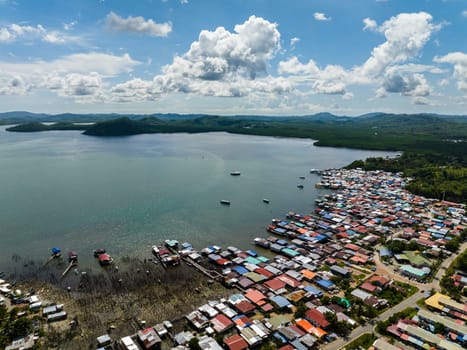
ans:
x=126 y=193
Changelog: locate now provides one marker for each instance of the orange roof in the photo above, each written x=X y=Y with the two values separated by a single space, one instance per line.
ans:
x=308 y=274
x=305 y=325
x=309 y=328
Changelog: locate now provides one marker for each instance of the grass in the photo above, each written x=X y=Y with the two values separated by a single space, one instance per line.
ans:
x=364 y=341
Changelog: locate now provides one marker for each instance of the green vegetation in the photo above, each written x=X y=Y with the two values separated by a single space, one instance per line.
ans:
x=407 y=313
x=447 y=283
x=341 y=328
x=438 y=172
x=12 y=326
x=395 y=295
x=364 y=341
x=434 y=146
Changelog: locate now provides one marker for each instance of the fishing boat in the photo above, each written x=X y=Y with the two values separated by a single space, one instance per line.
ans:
x=225 y=202
x=235 y=173
x=56 y=253
x=105 y=259
x=265 y=200
x=300 y=186
x=155 y=250
x=99 y=252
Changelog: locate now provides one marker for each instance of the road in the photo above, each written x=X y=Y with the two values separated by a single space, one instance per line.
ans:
x=409 y=302
x=368 y=328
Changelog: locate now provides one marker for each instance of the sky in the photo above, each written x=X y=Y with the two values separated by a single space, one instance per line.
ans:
x=230 y=57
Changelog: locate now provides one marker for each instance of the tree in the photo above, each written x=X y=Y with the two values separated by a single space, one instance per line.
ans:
x=300 y=310
x=193 y=344
x=440 y=328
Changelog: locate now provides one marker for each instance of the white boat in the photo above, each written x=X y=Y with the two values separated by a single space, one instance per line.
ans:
x=155 y=250
x=265 y=200
x=235 y=173
x=225 y=202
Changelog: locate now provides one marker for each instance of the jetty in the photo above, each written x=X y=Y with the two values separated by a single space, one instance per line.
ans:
x=72 y=261
x=56 y=253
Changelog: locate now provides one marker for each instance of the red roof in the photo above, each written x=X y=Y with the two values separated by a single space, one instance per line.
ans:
x=292 y=282
x=368 y=287
x=221 y=322
x=245 y=307
x=255 y=296
x=287 y=347
x=317 y=318
x=236 y=342
x=275 y=284
x=264 y=272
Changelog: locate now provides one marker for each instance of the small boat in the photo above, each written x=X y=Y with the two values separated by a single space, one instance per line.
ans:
x=265 y=200
x=72 y=256
x=225 y=202
x=302 y=177
x=155 y=250
x=99 y=252
x=105 y=259
x=235 y=173
x=300 y=186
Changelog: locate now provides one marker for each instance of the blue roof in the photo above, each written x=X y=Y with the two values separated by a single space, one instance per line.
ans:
x=280 y=301
x=315 y=291
x=325 y=283
x=321 y=238
x=384 y=251
x=240 y=270
x=252 y=252
x=297 y=345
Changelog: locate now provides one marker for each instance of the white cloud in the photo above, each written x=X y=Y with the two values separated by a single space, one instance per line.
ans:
x=464 y=13
x=80 y=76
x=407 y=85
x=14 y=32
x=294 y=41
x=183 y=2
x=406 y=34
x=459 y=60
x=137 y=25
x=319 y=16
x=370 y=24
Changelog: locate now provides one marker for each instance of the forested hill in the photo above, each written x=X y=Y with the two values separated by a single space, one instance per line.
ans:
x=435 y=150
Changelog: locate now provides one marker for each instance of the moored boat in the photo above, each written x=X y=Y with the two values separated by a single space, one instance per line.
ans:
x=98 y=252
x=105 y=259
x=225 y=202
x=235 y=173
x=265 y=200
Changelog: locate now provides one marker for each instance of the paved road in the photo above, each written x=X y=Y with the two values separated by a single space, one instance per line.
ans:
x=411 y=301
x=368 y=328
x=444 y=266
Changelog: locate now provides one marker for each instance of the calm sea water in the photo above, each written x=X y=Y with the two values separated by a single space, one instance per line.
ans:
x=124 y=194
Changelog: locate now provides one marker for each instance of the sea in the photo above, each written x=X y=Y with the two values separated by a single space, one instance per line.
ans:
x=76 y=192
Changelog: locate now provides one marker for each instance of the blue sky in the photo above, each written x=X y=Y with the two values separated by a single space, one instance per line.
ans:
x=274 y=57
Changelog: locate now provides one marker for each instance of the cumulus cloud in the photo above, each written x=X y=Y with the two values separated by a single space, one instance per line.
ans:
x=459 y=60
x=319 y=16
x=137 y=25
x=407 y=85
x=370 y=24
x=14 y=32
x=79 y=76
x=406 y=34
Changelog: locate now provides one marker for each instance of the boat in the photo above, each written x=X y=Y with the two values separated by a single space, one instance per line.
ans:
x=98 y=252
x=105 y=259
x=300 y=186
x=56 y=253
x=155 y=250
x=225 y=202
x=302 y=177
x=265 y=200
x=235 y=173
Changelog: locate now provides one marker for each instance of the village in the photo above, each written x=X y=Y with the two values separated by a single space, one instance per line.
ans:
x=368 y=259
